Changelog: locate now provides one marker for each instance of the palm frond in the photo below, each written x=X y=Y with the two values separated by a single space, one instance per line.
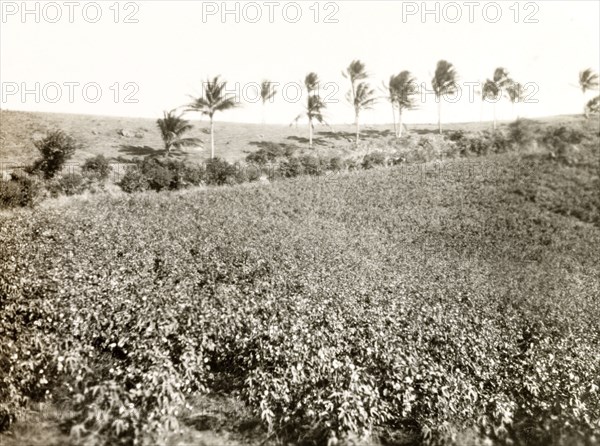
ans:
x=213 y=99
x=444 y=79
x=588 y=80
x=311 y=82
x=267 y=91
x=356 y=71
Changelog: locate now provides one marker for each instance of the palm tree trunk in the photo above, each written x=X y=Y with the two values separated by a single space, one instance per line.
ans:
x=310 y=134
x=212 y=138
x=400 y=123
x=394 y=118
x=263 y=114
x=357 y=129
x=440 y=116
x=494 y=117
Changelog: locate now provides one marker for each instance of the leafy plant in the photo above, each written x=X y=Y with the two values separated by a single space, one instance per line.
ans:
x=98 y=167
x=56 y=148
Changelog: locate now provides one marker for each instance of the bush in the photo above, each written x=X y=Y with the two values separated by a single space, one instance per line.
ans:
x=559 y=137
x=56 y=148
x=161 y=175
x=371 y=160
x=97 y=167
x=336 y=164
x=193 y=174
x=522 y=132
x=70 y=184
x=21 y=190
x=219 y=172
x=253 y=172
x=311 y=165
x=266 y=154
x=134 y=180
x=291 y=167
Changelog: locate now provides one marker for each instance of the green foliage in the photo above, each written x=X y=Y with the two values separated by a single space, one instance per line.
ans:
x=56 y=148
x=97 y=167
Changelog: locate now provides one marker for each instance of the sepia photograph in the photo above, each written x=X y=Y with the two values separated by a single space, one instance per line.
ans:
x=299 y=223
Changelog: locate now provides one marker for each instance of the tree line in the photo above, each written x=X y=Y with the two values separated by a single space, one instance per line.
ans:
x=401 y=90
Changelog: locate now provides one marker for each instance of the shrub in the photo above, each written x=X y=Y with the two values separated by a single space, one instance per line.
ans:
x=266 y=154
x=522 y=132
x=352 y=164
x=134 y=180
x=194 y=174
x=71 y=184
x=311 y=165
x=97 y=167
x=219 y=172
x=21 y=190
x=161 y=175
x=371 y=160
x=56 y=148
x=336 y=164
x=291 y=167
x=253 y=172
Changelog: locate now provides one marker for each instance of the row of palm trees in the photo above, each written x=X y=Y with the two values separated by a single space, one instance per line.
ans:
x=401 y=91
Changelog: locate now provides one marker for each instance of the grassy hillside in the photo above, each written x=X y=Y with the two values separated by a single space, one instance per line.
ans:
x=395 y=305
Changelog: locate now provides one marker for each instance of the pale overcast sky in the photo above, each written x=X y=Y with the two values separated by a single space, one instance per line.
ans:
x=174 y=46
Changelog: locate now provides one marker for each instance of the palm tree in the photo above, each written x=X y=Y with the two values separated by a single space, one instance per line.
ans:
x=493 y=88
x=267 y=92
x=402 y=90
x=213 y=100
x=314 y=105
x=588 y=80
x=593 y=106
x=443 y=83
x=172 y=128
x=392 y=96
x=361 y=95
x=515 y=94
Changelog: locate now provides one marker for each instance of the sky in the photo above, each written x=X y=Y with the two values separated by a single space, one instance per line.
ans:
x=71 y=57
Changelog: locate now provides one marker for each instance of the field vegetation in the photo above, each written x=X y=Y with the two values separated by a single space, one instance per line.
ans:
x=441 y=290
